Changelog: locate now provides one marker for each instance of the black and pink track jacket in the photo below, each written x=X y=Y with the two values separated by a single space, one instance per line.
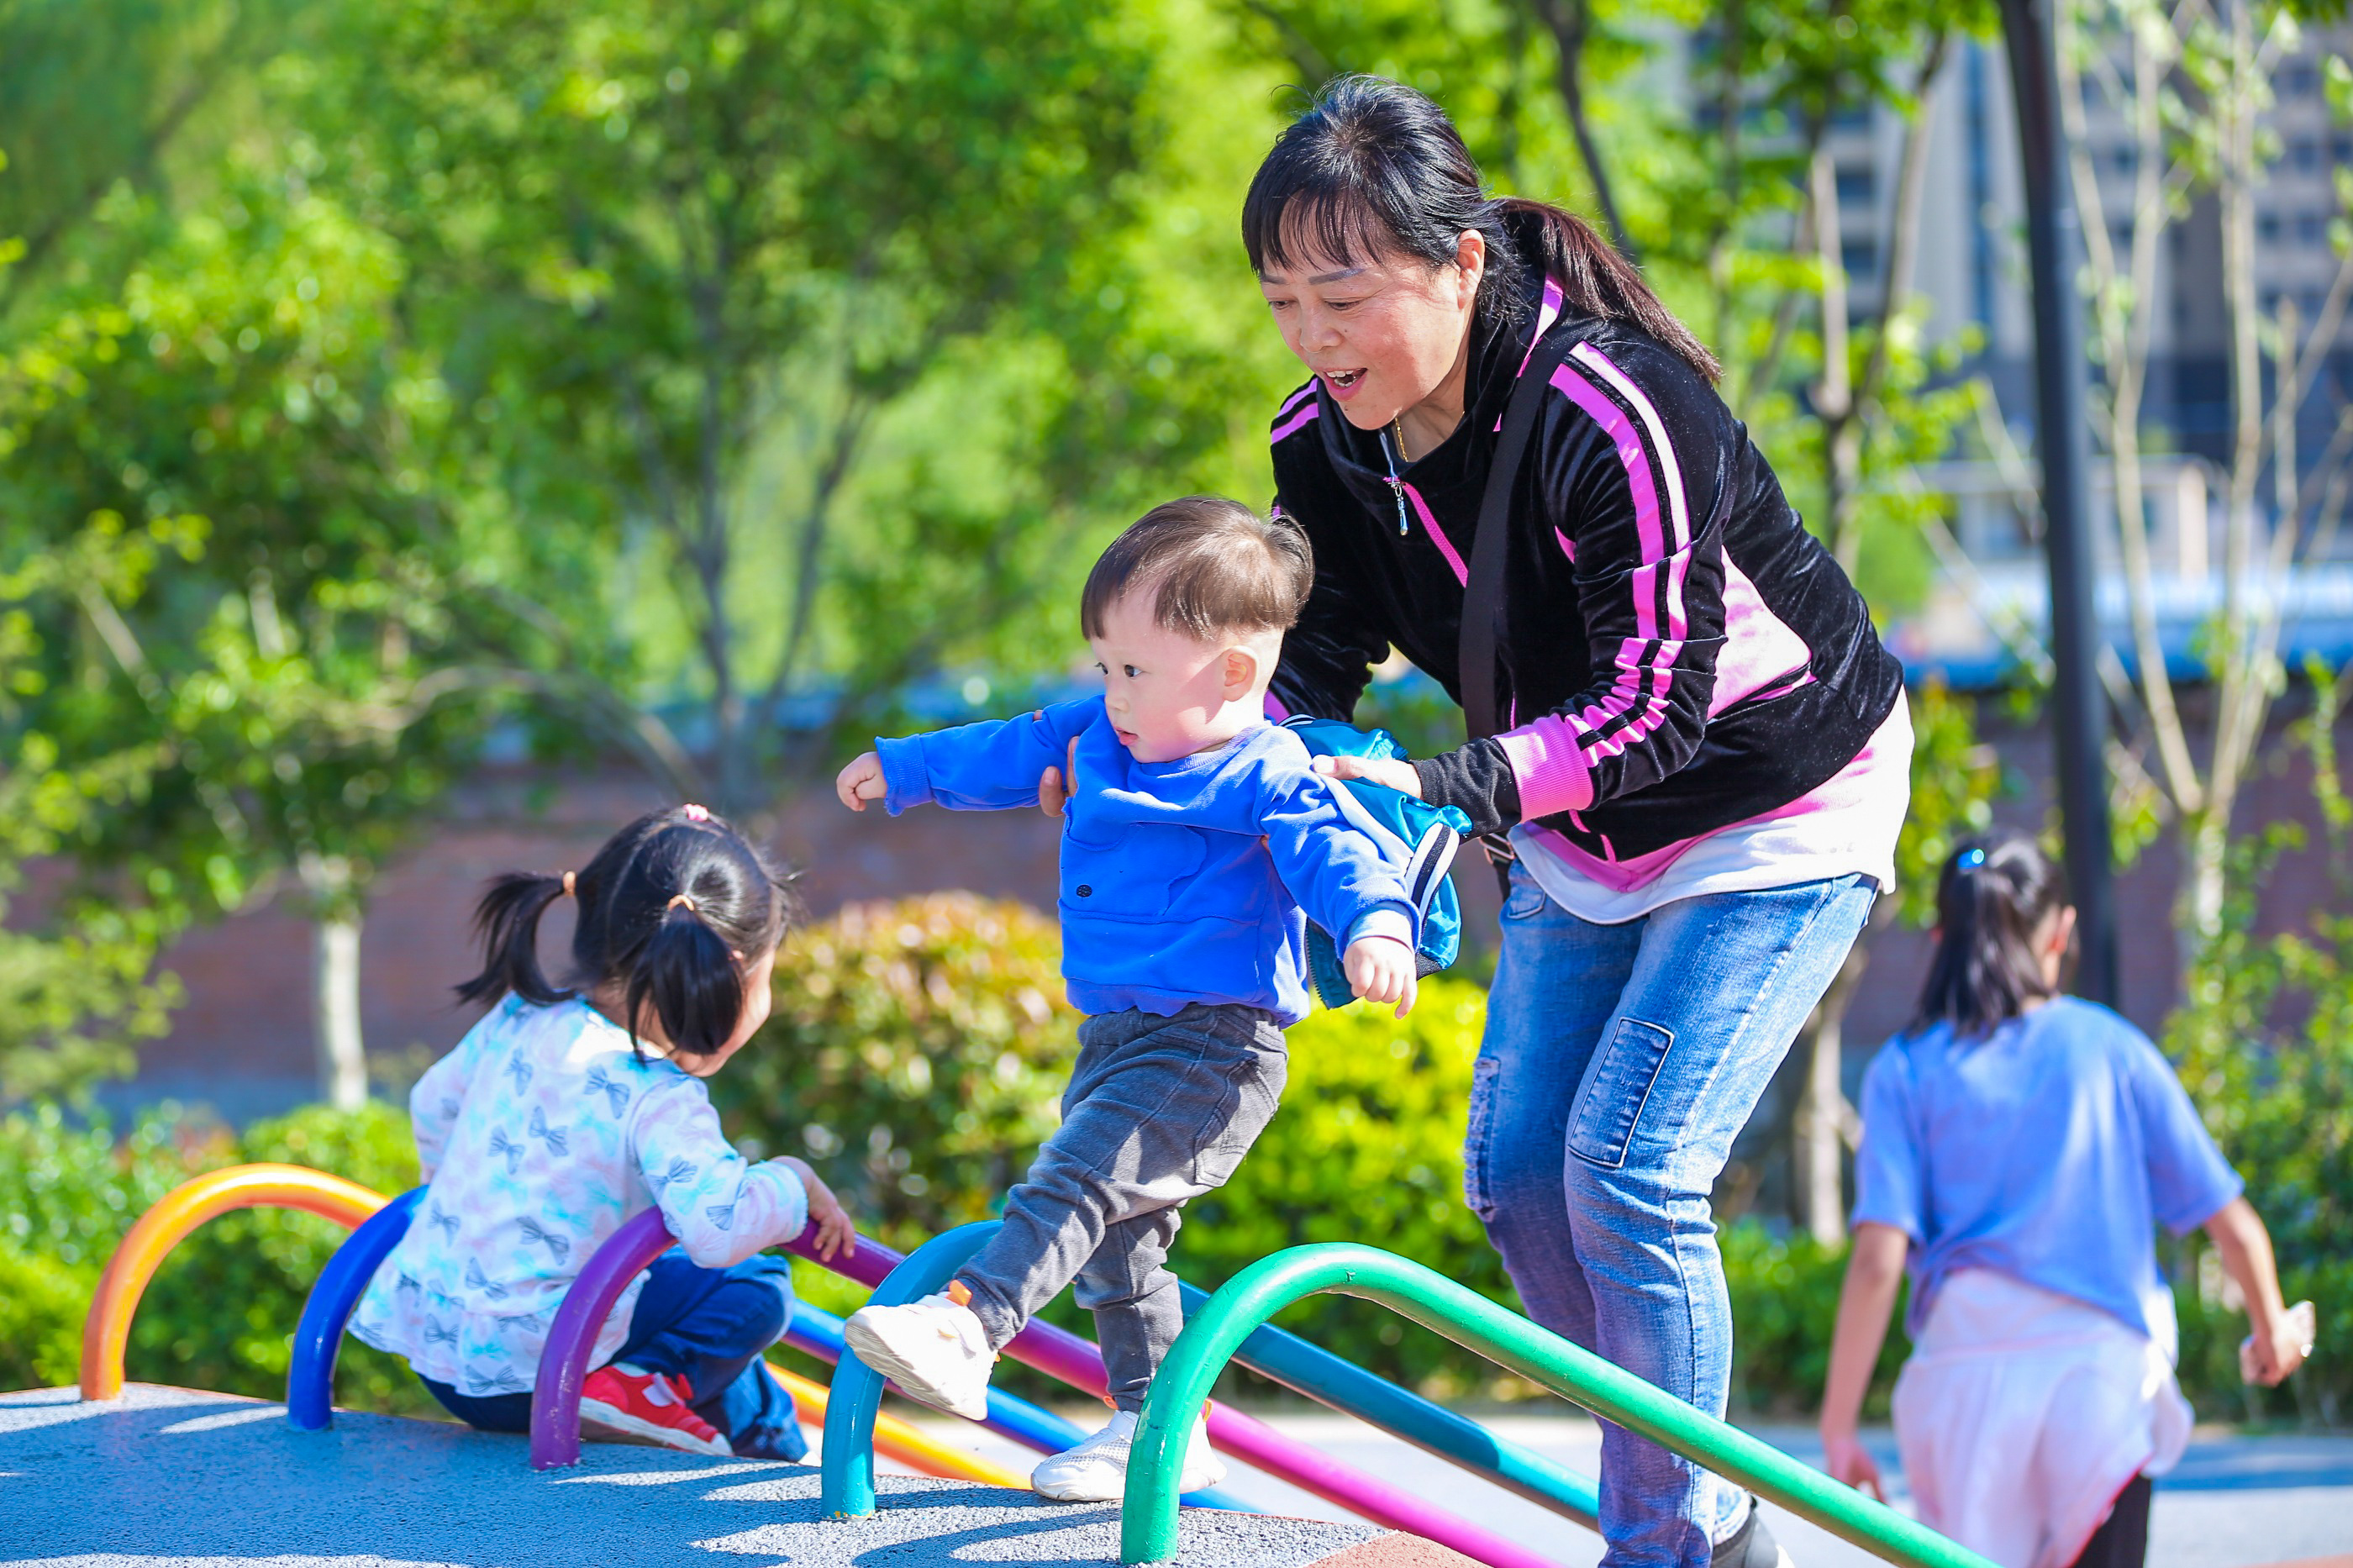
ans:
x=1669 y=667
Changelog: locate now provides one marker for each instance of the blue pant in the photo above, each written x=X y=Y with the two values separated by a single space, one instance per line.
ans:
x=1619 y=1061
x=706 y=1325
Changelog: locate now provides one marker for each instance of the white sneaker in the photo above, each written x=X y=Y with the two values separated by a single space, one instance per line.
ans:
x=935 y=1350
x=1096 y=1470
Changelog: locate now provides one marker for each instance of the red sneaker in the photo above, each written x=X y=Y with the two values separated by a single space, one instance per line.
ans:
x=620 y=1403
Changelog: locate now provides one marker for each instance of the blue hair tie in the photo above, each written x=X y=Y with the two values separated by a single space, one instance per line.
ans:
x=1970 y=859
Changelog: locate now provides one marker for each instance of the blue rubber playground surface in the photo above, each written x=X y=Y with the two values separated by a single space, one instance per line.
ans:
x=168 y=1479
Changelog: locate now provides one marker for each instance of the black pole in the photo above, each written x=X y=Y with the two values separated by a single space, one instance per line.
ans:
x=2054 y=253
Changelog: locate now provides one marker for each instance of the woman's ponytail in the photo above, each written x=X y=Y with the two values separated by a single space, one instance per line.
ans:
x=1596 y=280
x=1991 y=901
x=689 y=977
x=507 y=921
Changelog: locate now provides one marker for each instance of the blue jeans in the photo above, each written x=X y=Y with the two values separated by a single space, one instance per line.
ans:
x=1619 y=1061
x=706 y=1325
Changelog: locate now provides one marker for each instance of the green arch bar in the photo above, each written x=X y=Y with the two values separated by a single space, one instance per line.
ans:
x=1149 y=1517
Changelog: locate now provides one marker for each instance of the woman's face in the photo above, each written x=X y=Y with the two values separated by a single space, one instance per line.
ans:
x=1385 y=335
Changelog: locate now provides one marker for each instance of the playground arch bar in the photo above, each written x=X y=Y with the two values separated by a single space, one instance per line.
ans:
x=175 y=1217
x=1148 y=1525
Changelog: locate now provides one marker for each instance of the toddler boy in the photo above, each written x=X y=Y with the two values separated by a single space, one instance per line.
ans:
x=1197 y=840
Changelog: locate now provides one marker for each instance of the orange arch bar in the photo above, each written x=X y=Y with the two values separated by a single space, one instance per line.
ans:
x=179 y=1213
x=903 y=1440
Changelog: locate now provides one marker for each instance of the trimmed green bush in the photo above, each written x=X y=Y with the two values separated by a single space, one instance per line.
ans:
x=916 y=1058
x=220 y=1312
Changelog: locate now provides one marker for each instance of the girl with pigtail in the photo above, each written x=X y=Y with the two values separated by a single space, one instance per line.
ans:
x=2020 y=1149
x=568 y=1110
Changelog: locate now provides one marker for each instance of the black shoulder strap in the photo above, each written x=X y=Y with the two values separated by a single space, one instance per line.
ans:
x=1482 y=589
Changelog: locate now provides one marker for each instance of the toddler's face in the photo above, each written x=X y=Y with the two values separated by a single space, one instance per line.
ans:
x=1169 y=694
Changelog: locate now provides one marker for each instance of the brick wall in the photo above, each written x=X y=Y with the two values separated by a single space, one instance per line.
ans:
x=243 y=1040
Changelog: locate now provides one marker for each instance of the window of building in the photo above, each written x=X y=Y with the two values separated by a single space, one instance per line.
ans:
x=2312 y=228
x=1860 y=259
x=2267 y=228
x=2125 y=159
x=1858 y=185
x=2304 y=156
x=2297 y=79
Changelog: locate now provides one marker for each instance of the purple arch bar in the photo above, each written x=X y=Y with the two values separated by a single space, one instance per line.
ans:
x=1059 y=1353
x=563 y=1361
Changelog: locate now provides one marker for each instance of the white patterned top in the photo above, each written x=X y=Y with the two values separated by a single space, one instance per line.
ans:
x=541 y=1134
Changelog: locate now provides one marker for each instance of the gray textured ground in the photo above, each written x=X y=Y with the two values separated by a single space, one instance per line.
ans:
x=167 y=1479
x=2233 y=1502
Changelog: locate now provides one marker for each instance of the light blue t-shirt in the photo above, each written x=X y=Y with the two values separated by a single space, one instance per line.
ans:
x=2049 y=1149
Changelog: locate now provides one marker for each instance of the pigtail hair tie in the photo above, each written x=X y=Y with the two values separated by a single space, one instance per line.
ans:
x=678 y=899
x=570 y=885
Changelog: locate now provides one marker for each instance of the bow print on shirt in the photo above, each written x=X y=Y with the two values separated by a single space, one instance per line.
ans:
x=559 y=1246
x=519 y=1069
x=612 y=1088
x=437 y=1332
x=442 y=1221
x=502 y=1144
x=723 y=1216
x=553 y=1137
x=480 y=1281
x=503 y=1381
x=681 y=1169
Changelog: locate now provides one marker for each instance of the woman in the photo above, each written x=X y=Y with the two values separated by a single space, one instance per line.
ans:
x=1704 y=750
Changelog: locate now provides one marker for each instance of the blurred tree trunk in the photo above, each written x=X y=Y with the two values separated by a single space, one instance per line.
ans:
x=1826 y=1125
x=335 y=981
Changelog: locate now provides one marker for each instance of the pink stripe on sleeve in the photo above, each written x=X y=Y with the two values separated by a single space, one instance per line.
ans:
x=1296 y=423
x=1292 y=402
x=1549 y=767
x=1643 y=580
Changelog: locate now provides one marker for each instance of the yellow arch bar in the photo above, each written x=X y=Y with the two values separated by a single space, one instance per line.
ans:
x=180 y=1212
x=903 y=1440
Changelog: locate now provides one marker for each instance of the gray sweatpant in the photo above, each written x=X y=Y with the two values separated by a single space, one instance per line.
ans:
x=1159 y=1109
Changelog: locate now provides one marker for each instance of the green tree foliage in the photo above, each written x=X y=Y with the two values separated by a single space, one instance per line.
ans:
x=2264 y=1045
x=215 y=546
x=736 y=269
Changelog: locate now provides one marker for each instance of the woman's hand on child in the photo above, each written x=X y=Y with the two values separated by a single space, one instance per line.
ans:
x=1057 y=786
x=861 y=782
x=1848 y=1461
x=834 y=1231
x=1398 y=776
x=1380 y=969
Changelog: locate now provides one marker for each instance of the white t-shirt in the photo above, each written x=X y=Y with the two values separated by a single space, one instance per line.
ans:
x=1845 y=827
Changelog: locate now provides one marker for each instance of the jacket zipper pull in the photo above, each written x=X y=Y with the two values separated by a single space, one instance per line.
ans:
x=1396 y=489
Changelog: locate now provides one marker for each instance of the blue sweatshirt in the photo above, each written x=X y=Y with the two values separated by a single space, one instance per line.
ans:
x=1182 y=881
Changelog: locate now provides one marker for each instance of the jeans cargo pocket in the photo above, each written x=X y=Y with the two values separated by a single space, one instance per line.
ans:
x=1477 y=1191
x=1602 y=1121
x=1251 y=1090
x=1527 y=899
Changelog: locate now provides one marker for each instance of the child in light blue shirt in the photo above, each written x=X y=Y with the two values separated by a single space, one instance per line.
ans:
x=2020 y=1149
